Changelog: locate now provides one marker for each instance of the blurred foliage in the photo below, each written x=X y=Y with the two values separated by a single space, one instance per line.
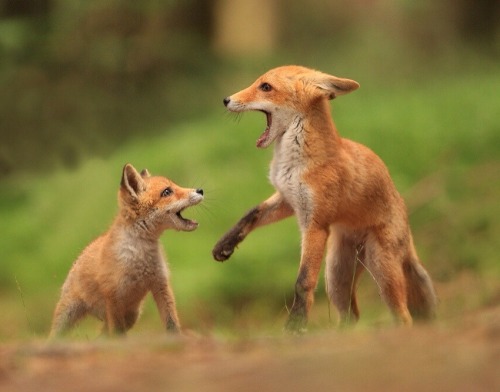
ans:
x=81 y=77
x=87 y=86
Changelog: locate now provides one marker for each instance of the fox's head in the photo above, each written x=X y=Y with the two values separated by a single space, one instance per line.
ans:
x=284 y=93
x=155 y=203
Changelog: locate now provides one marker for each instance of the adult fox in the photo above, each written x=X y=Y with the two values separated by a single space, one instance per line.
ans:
x=342 y=195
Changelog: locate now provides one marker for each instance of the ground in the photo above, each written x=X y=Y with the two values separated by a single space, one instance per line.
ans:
x=459 y=355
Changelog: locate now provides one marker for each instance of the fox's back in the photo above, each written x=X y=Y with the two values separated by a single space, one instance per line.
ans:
x=351 y=186
x=369 y=195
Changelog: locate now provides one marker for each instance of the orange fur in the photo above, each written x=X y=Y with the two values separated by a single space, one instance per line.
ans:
x=111 y=277
x=341 y=193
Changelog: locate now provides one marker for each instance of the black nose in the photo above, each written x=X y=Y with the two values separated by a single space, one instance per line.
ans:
x=199 y=191
x=226 y=101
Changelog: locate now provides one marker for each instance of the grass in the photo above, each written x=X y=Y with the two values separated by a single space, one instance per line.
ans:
x=439 y=139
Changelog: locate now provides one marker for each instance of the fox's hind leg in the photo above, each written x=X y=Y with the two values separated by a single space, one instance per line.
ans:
x=343 y=268
x=115 y=318
x=66 y=315
x=384 y=261
x=127 y=322
x=131 y=317
x=422 y=300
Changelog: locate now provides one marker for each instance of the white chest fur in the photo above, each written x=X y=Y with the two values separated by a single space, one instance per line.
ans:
x=141 y=259
x=287 y=169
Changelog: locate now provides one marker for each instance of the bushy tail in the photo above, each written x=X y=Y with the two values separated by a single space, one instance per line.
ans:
x=421 y=297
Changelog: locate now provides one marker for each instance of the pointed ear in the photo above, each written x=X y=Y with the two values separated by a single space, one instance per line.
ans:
x=132 y=181
x=145 y=173
x=332 y=86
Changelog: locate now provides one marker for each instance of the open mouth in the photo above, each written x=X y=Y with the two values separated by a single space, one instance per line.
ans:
x=263 y=139
x=186 y=224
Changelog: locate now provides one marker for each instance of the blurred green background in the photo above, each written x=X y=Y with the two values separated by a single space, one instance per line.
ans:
x=87 y=86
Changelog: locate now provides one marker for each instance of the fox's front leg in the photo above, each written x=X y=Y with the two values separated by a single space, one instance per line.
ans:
x=165 y=302
x=271 y=210
x=313 y=249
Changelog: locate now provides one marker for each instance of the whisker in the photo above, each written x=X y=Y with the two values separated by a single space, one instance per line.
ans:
x=209 y=213
x=235 y=116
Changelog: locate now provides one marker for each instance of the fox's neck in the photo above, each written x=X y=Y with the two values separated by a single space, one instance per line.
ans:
x=324 y=137
x=130 y=244
x=137 y=229
x=312 y=136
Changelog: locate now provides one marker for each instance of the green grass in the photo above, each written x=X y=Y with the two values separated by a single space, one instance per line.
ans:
x=440 y=139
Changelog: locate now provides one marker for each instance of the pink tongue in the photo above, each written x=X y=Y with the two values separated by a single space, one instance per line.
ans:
x=262 y=139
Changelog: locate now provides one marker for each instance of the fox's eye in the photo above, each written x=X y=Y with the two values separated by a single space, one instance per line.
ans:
x=265 y=87
x=166 y=192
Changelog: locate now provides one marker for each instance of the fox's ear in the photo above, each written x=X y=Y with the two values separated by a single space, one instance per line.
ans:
x=132 y=181
x=145 y=173
x=332 y=86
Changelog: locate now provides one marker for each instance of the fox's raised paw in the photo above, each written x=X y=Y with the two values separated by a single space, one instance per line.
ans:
x=221 y=253
x=224 y=248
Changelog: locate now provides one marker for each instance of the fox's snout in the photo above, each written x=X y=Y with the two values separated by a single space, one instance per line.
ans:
x=196 y=196
x=226 y=101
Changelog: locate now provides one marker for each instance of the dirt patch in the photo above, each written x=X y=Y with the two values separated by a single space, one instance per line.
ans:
x=459 y=357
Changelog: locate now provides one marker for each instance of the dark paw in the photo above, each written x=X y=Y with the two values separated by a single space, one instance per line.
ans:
x=295 y=325
x=222 y=253
x=173 y=326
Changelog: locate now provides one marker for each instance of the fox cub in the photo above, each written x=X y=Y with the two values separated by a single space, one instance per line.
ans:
x=112 y=276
